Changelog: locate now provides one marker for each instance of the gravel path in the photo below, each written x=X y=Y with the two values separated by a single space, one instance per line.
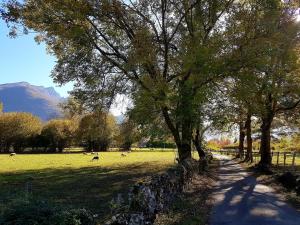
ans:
x=240 y=199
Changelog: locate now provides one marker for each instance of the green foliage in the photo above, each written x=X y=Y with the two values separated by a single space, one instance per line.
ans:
x=97 y=131
x=1 y=107
x=128 y=134
x=160 y=144
x=72 y=109
x=58 y=134
x=37 y=212
x=16 y=129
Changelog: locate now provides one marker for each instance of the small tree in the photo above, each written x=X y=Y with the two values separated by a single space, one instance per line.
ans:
x=16 y=129
x=128 y=134
x=96 y=131
x=58 y=134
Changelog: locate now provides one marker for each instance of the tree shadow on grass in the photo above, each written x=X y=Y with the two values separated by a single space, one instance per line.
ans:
x=88 y=187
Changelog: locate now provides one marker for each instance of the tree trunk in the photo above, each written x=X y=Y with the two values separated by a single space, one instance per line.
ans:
x=197 y=140
x=241 y=141
x=184 y=120
x=249 y=156
x=185 y=115
x=185 y=151
x=265 y=146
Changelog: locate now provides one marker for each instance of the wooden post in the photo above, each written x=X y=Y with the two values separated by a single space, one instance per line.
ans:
x=293 y=161
x=277 y=158
x=284 y=158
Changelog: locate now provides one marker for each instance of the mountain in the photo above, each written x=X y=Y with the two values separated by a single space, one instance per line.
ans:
x=24 y=97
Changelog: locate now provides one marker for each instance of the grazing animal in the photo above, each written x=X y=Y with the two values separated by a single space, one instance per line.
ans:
x=12 y=154
x=85 y=153
x=123 y=154
x=96 y=157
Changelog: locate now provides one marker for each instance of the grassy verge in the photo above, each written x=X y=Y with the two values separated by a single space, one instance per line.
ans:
x=73 y=180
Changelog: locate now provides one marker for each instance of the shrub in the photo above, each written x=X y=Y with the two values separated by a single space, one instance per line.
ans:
x=16 y=129
x=160 y=144
x=96 y=131
x=75 y=217
x=58 y=134
x=36 y=212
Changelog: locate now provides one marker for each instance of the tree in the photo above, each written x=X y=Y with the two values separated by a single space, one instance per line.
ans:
x=169 y=49
x=58 y=134
x=128 y=134
x=16 y=129
x=268 y=43
x=97 y=130
x=72 y=109
x=1 y=107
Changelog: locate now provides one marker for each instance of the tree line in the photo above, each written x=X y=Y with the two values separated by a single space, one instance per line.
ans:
x=20 y=131
x=191 y=64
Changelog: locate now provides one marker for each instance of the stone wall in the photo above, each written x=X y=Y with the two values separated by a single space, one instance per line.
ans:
x=146 y=199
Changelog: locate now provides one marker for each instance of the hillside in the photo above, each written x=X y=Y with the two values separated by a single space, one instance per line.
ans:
x=24 y=97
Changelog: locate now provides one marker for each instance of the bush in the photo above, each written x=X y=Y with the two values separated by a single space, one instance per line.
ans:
x=16 y=129
x=35 y=212
x=75 y=217
x=58 y=134
x=96 y=131
x=160 y=144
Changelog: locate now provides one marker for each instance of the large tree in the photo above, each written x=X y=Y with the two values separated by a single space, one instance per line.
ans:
x=267 y=37
x=169 y=49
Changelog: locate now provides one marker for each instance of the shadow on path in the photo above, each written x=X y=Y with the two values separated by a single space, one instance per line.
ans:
x=240 y=199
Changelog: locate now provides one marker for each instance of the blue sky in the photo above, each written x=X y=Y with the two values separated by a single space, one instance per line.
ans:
x=22 y=59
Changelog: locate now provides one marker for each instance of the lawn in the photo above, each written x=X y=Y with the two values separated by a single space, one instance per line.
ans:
x=73 y=180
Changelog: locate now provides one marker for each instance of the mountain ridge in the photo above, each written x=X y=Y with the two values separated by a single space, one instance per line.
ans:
x=25 y=97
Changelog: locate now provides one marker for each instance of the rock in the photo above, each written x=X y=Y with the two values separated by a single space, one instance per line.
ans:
x=288 y=180
x=148 y=198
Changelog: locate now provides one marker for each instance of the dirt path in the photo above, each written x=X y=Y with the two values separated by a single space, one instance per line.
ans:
x=240 y=199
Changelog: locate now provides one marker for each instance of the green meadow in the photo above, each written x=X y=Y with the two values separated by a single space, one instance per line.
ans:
x=74 y=180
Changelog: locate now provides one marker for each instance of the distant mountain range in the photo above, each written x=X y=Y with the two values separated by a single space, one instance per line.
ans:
x=24 y=97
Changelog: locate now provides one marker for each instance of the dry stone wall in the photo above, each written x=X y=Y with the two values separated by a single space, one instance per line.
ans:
x=148 y=198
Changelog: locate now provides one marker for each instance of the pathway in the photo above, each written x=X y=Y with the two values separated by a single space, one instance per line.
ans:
x=240 y=200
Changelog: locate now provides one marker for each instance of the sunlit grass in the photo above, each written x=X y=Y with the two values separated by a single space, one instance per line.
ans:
x=26 y=162
x=74 y=180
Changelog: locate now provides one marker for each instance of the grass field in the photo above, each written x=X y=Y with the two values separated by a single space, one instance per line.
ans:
x=73 y=180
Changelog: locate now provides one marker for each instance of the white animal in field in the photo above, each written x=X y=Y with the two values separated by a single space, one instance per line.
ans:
x=12 y=154
x=96 y=157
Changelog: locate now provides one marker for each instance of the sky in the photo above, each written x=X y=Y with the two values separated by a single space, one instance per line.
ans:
x=22 y=59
